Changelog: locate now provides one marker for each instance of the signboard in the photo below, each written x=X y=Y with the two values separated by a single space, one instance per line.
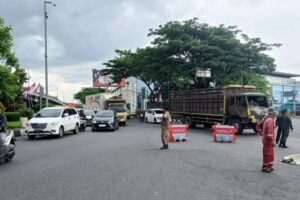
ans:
x=205 y=73
x=289 y=94
x=105 y=81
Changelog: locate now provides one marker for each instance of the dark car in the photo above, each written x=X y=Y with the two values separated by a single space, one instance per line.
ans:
x=89 y=116
x=105 y=119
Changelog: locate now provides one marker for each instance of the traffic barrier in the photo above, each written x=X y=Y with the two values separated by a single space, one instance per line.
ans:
x=224 y=133
x=178 y=133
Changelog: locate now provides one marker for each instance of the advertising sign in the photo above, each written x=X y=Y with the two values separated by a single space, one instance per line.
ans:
x=105 y=81
x=204 y=73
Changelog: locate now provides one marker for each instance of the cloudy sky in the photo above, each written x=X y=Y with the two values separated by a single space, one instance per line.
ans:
x=82 y=34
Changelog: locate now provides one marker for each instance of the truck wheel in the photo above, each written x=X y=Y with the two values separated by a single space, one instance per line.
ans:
x=254 y=129
x=238 y=125
x=207 y=125
x=188 y=121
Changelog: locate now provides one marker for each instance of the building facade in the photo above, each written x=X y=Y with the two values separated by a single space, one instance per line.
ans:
x=285 y=90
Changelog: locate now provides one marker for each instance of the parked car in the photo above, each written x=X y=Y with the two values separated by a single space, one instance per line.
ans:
x=154 y=115
x=53 y=121
x=106 y=119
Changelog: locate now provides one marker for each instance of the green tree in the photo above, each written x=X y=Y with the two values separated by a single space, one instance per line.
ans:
x=12 y=77
x=180 y=48
x=85 y=92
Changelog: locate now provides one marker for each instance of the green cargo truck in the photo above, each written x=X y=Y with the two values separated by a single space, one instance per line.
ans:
x=241 y=106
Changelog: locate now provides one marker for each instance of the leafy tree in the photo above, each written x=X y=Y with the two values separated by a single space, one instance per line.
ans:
x=179 y=49
x=85 y=92
x=12 y=77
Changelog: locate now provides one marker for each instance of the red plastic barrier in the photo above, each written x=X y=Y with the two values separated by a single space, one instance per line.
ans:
x=178 y=132
x=224 y=133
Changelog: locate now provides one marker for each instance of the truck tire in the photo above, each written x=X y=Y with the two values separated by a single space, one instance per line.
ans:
x=207 y=125
x=189 y=122
x=238 y=125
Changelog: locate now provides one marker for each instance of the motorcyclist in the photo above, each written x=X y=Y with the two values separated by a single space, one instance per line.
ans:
x=3 y=121
x=81 y=114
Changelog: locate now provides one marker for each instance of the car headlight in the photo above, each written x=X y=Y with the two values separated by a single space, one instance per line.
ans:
x=54 y=123
x=94 y=121
x=111 y=121
x=27 y=125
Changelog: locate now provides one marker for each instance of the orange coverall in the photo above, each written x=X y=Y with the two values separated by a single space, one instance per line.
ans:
x=268 y=137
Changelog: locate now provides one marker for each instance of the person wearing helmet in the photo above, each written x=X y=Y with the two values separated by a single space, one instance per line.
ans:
x=268 y=137
x=286 y=125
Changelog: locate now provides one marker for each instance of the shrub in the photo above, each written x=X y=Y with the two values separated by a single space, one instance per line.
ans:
x=12 y=116
x=26 y=112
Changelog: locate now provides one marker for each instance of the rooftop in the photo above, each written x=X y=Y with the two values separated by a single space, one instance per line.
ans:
x=282 y=74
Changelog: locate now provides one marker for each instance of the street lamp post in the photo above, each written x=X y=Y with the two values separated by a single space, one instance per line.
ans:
x=46 y=56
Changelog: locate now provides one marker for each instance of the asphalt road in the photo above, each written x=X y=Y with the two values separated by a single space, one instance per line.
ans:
x=128 y=165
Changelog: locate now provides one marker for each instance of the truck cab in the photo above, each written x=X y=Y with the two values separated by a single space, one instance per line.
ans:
x=245 y=109
x=120 y=110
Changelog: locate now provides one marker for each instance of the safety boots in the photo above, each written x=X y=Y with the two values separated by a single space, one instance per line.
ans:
x=164 y=147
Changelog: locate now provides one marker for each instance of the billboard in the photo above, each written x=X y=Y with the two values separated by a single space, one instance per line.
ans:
x=105 y=81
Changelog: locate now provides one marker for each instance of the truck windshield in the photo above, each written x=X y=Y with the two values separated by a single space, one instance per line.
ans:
x=117 y=107
x=257 y=101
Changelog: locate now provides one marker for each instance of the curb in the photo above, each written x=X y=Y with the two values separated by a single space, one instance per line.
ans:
x=19 y=132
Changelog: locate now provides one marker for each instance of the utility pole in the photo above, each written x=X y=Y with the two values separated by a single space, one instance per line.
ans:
x=46 y=55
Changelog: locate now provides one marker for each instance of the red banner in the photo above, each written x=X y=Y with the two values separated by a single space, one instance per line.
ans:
x=105 y=81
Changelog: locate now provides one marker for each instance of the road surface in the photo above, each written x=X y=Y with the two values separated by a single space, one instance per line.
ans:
x=128 y=165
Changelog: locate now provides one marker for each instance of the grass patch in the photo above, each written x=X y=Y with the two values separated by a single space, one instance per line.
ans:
x=15 y=124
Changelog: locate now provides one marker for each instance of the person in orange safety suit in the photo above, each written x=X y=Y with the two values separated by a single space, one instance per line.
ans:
x=267 y=131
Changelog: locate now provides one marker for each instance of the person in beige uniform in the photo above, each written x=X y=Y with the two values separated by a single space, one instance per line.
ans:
x=165 y=123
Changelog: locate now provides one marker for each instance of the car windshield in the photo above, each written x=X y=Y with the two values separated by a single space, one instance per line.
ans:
x=159 y=111
x=105 y=114
x=117 y=107
x=89 y=112
x=257 y=101
x=49 y=113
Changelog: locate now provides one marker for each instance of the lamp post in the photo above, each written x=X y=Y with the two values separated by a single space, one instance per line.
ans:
x=46 y=56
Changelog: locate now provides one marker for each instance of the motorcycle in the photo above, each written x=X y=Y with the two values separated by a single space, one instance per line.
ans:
x=82 y=124
x=142 y=117
x=7 y=146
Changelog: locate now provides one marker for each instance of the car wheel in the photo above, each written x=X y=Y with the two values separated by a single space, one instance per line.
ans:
x=31 y=137
x=76 y=130
x=155 y=120
x=147 y=120
x=93 y=130
x=124 y=123
x=61 y=132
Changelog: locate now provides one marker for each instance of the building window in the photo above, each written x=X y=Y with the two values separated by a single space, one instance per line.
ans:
x=277 y=93
x=288 y=99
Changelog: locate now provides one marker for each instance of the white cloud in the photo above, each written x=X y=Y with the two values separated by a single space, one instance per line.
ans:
x=84 y=34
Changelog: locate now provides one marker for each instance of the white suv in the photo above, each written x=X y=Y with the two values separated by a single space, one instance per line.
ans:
x=53 y=121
